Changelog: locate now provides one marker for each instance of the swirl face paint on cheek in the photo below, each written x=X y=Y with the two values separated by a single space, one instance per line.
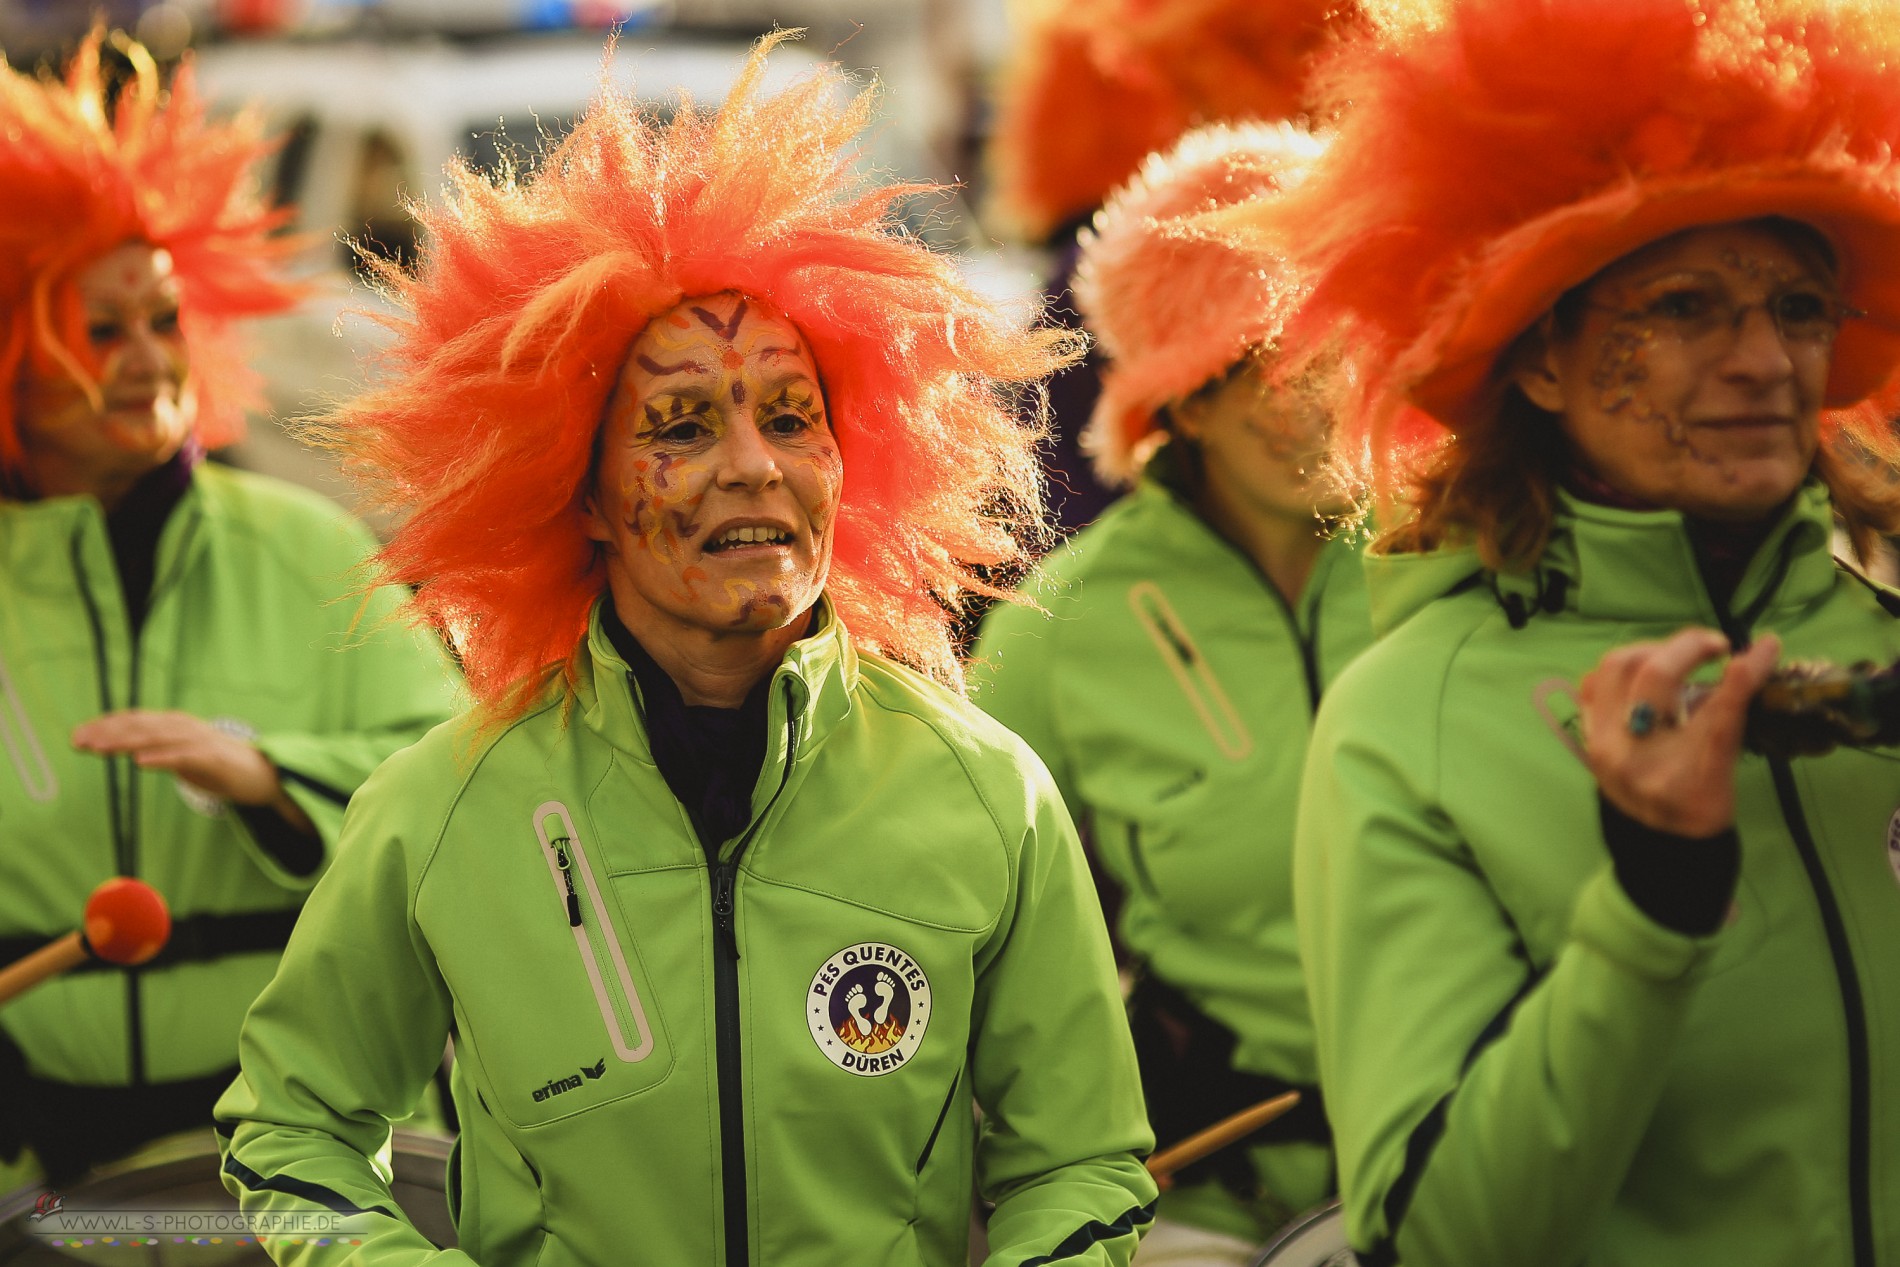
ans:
x=1623 y=378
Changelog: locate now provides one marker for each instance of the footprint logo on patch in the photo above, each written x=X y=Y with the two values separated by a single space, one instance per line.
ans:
x=597 y=1069
x=868 y=1006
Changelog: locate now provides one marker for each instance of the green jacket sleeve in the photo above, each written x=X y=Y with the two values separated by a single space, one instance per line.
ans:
x=342 y=1042
x=1485 y=1112
x=1053 y=1067
x=395 y=682
x=1012 y=677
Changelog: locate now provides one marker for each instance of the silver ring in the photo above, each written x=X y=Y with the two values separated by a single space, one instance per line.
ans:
x=1642 y=718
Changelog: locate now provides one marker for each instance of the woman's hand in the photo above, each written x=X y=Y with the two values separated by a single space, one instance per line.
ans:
x=195 y=751
x=1678 y=776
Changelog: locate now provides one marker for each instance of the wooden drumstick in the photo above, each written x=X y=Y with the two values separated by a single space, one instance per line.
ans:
x=1218 y=1136
x=50 y=960
x=126 y=923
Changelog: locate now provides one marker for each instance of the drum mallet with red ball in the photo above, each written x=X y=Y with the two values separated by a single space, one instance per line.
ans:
x=126 y=923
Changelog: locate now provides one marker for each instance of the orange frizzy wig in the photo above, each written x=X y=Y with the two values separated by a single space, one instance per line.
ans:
x=1501 y=152
x=530 y=293
x=78 y=184
x=1097 y=85
x=1175 y=304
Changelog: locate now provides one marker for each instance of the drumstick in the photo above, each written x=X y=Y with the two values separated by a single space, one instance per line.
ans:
x=126 y=923
x=1218 y=1136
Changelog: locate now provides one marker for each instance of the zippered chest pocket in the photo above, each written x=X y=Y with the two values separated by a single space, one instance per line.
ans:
x=555 y=1003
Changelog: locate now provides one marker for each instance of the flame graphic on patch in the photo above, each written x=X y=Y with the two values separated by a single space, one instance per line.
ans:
x=881 y=1039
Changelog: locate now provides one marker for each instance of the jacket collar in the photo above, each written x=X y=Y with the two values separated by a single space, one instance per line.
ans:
x=1635 y=565
x=1642 y=565
x=816 y=681
x=1163 y=487
x=38 y=538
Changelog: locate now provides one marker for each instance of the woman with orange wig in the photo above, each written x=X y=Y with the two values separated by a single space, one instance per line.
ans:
x=1593 y=982
x=1092 y=87
x=182 y=695
x=733 y=914
x=1195 y=626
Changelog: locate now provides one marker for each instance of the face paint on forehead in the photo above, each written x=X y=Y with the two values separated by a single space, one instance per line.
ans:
x=774 y=347
x=663 y=369
x=1755 y=269
x=725 y=327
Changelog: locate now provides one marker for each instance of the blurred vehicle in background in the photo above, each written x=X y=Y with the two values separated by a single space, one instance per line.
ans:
x=372 y=97
x=367 y=125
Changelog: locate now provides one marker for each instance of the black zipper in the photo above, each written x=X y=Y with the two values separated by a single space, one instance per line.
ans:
x=1309 y=646
x=1847 y=976
x=124 y=851
x=565 y=861
x=121 y=847
x=725 y=873
x=1854 y=1011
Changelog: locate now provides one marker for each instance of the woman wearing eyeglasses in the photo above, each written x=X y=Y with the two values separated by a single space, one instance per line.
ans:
x=1592 y=984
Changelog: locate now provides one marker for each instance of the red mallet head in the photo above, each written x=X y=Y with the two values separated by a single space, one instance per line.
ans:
x=126 y=921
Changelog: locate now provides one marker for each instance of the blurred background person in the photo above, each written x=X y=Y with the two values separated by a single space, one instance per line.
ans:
x=1171 y=682
x=1090 y=88
x=189 y=687
x=771 y=902
x=1592 y=984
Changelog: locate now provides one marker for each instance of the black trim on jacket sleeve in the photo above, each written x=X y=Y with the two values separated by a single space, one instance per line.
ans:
x=1683 y=883
x=1424 y=1138
x=1079 y=1241
x=295 y=850
x=328 y=1198
x=325 y=790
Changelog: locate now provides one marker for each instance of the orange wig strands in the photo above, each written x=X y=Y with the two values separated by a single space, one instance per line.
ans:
x=1500 y=152
x=1174 y=303
x=78 y=184
x=1097 y=85
x=525 y=303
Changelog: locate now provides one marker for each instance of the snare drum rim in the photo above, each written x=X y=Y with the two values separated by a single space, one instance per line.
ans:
x=1297 y=1228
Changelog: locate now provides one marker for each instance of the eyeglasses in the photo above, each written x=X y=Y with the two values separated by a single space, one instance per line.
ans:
x=1703 y=316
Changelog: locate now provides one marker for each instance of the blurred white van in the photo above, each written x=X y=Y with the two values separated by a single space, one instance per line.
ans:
x=366 y=124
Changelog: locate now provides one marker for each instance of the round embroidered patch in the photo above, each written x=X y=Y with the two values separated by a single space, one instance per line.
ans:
x=868 y=1007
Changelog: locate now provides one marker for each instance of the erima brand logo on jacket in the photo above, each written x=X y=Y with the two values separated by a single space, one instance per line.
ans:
x=573 y=1082
x=868 y=1007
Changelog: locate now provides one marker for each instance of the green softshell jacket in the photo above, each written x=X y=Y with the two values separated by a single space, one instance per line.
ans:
x=1523 y=1068
x=660 y=1061
x=254 y=624
x=1170 y=688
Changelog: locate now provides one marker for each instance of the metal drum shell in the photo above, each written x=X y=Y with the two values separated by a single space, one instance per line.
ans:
x=1315 y=1239
x=182 y=1172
